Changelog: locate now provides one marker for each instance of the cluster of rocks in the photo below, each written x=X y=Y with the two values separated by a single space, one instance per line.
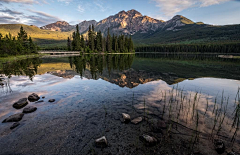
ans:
x=148 y=140
x=19 y=105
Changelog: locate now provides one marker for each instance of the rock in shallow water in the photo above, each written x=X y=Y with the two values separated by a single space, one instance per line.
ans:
x=126 y=118
x=39 y=101
x=14 y=125
x=29 y=109
x=20 y=103
x=148 y=140
x=101 y=142
x=219 y=146
x=51 y=100
x=14 y=118
x=137 y=120
x=33 y=97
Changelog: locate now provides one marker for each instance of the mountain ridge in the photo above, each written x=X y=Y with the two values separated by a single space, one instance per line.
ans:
x=126 y=22
x=144 y=30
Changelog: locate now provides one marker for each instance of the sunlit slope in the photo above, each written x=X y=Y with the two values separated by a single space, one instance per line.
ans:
x=42 y=37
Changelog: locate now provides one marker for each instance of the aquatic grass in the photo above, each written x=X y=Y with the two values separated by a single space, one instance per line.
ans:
x=221 y=120
x=206 y=106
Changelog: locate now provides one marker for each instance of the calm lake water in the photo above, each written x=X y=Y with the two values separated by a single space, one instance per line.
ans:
x=199 y=92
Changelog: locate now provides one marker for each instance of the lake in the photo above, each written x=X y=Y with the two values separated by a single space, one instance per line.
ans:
x=189 y=103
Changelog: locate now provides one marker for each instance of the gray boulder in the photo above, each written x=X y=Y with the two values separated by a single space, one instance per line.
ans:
x=14 y=118
x=14 y=125
x=20 y=103
x=33 y=97
x=136 y=120
x=29 y=109
x=148 y=140
x=101 y=142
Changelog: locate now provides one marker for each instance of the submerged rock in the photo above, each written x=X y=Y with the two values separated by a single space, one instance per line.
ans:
x=137 y=120
x=148 y=140
x=101 y=142
x=20 y=103
x=39 y=101
x=219 y=146
x=126 y=118
x=29 y=109
x=51 y=100
x=14 y=118
x=43 y=96
x=14 y=125
x=157 y=125
x=1 y=84
x=33 y=97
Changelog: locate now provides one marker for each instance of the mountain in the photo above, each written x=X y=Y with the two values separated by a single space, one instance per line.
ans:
x=129 y=22
x=66 y=27
x=58 y=26
x=83 y=26
x=144 y=30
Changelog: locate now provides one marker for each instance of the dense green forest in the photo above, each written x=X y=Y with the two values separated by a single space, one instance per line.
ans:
x=96 y=43
x=19 y=45
x=194 y=48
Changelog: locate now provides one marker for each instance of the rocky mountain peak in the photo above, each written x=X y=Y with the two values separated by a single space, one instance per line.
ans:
x=61 y=23
x=134 y=13
x=58 y=26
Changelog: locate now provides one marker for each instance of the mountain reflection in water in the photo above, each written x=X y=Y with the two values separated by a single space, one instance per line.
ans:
x=171 y=87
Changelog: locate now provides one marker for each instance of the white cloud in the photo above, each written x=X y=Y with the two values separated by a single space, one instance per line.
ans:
x=100 y=5
x=25 y=1
x=171 y=7
x=19 y=1
x=80 y=8
x=65 y=1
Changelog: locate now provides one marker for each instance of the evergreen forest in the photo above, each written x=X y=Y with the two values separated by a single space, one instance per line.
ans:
x=22 y=44
x=97 y=43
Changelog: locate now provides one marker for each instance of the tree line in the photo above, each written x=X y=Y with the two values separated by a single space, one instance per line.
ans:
x=19 y=45
x=192 y=48
x=97 y=43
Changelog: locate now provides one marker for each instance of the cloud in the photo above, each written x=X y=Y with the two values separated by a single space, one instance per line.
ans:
x=24 y=1
x=171 y=8
x=100 y=5
x=65 y=1
x=41 y=18
x=80 y=8
x=19 y=1
x=8 y=20
x=8 y=11
x=33 y=18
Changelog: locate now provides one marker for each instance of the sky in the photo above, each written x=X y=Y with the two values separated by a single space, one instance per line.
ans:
x=43 y=12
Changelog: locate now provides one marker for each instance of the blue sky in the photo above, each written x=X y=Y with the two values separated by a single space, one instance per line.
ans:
x=42 y=12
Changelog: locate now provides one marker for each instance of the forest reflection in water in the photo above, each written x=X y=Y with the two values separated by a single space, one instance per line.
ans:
x=202 y=114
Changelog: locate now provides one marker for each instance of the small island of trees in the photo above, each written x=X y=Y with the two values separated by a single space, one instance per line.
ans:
x=19 y=45
x=97 y=43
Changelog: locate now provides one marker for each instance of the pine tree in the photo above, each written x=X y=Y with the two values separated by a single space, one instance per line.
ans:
x=90 y=39
x=22 y=35
x=82 y=42
x=99 y=41
x=131 y=46
x=109 y=42
x=77 y=40
x=103 y=44
x=74 y=41
x=69 y=44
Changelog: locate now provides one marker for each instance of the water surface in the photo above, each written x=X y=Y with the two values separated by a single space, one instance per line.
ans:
x=92 y=91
